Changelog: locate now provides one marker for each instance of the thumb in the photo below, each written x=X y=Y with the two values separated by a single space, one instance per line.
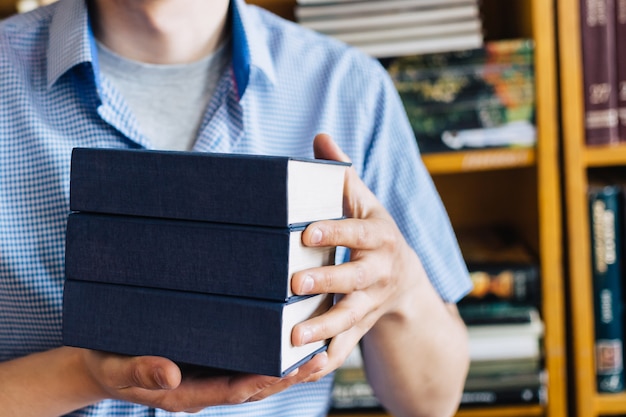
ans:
x=324 y=147
x=359 y=201
x=148 y=372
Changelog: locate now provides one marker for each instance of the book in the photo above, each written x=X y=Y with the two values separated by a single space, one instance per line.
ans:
x=182 y=255
x=515 y=283
x=605 y=220
x=620 y=58
x=506 y=341
x=390 y=18
x=397 y=47
x=479 y=98
x=533 y=394
x=331 y=10
x=505 y=379
x=352 y=391
x=272 y=191
x=485 y=313
x=518 y=51
x=499 y=366
x=402 y=33
x=205 y=330
x=599 y=71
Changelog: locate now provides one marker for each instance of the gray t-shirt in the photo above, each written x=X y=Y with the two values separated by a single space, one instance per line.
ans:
x=168 y=101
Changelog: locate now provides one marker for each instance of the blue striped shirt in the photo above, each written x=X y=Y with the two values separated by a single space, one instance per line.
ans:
x=285 y=85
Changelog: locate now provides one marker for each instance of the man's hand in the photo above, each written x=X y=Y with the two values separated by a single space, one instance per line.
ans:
x=158 y=382
x=376 y=280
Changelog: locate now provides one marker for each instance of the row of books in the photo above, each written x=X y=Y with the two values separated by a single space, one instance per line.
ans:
x=506 y=368
x=155 y=253
x=504 y=325
x=387 y=28
x=603 y=40
x=469 y=99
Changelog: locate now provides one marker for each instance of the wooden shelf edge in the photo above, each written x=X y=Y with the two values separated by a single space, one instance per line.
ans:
x=609 y=155
x=501 y=411
x=479 y=160
x=610 y=404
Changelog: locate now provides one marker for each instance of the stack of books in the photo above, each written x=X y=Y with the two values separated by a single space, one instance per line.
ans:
x=190 y=255
x=472 y=99
x=387 y=28
x=503 y=320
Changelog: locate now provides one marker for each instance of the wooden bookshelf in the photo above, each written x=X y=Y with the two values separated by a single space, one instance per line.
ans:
x=517 y=186
x=579 y=162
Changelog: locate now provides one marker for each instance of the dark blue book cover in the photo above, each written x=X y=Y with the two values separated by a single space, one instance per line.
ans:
x=605 y=211
x=229 y=333
x=227 y=259
x=226 y=188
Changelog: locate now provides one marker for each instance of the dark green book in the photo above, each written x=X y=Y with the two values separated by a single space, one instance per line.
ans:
x=605 y=214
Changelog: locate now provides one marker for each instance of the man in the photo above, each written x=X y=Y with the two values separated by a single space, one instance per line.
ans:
x=220 y=76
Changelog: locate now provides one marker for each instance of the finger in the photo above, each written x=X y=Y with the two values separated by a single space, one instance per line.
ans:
x=146 y=372
x=324 y=147
x=352 y=311
x=338 y=351
x=224 y=390
x=358 y=199
x=352 y=233
x=337 y=279
x=313 y=366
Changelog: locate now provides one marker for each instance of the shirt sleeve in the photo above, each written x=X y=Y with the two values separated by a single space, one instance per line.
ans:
x=395 y=172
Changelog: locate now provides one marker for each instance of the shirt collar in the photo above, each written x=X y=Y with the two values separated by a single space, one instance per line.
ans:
x=72 y=43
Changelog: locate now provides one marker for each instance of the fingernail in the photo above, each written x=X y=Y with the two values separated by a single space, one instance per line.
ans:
x=316 y=236
x=307 y=335
x=307 y=285
x=159 y=377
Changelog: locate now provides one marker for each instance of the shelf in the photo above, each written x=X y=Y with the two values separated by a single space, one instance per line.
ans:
x=604 y=156
x=611 y=404
x=510 y=411
x=479 y=160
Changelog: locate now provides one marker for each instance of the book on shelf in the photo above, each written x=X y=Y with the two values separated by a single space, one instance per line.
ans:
x=416 y=33
x=205 y=257
x=605 y=202
x=498 y=382
x=597 y=20
x=206 y=330
x=490 y=312
x=488 y=342
x=386 y=48
x=334 y=9
x=510 y=282
x=505 y=379
x=620 y=58
x=478 y=98
x=500 y=366
x=273 y=191
x=389 y=18
x=535 y=394
x=385 y=29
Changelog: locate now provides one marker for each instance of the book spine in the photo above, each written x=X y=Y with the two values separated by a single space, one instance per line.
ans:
x=599 y=71
x=223 y=332
x=517 y=284
x=606 y=220
x=235 y=260
x=620 y=42
x=533 y=394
